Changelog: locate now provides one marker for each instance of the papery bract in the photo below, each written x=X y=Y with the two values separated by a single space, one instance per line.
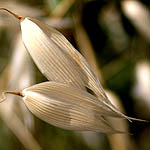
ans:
x=59 y=61
x=67 y=107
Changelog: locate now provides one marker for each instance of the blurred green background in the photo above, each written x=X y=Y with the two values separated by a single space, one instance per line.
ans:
x=118 y=35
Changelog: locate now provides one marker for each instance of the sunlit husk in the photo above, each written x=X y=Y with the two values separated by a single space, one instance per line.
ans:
x=72 y=95
x=64 y=45
x=67 y=107
x=49 y=57
x=58 y=60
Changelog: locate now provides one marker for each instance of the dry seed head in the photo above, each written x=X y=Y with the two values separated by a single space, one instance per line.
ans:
x=55 y=41
x=21 y=18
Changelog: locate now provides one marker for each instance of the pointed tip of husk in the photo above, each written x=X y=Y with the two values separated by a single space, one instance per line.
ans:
x=20 y=18
x=136 y=119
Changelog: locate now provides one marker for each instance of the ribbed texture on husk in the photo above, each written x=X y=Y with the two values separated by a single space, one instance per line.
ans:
x=49 y=58
x=67 y=107
x=64 y=45
x=59 y=61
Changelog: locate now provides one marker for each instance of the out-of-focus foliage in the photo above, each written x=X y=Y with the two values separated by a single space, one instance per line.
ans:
x=121 y=59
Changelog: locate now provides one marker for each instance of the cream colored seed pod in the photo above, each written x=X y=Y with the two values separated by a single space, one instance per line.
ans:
x=67 y=107
x=59 y=61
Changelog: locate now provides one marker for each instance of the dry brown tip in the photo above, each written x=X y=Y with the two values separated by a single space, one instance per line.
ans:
x=21 y=18
x=15 y=93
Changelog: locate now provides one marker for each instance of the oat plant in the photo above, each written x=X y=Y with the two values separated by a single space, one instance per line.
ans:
x=64 y=100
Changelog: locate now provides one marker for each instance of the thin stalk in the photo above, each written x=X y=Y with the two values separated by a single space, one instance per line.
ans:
x=20 y=18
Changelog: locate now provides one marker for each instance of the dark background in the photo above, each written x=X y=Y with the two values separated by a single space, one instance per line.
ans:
x=119 y=45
